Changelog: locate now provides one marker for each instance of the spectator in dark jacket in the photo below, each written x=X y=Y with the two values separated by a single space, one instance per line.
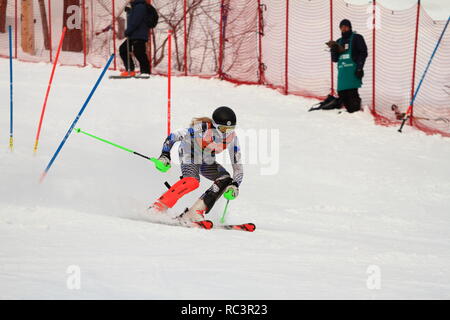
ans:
x=350 y=53
x=137 y=37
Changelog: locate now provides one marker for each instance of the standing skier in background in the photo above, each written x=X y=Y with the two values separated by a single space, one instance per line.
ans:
x=350 y=53
x=199 y=144
x=136 y=35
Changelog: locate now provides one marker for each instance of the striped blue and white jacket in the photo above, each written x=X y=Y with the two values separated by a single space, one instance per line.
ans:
x=201 y=143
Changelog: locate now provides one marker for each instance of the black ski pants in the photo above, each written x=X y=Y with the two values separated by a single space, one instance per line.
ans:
x=214 y=172
x=138 y=47
x=350 y=99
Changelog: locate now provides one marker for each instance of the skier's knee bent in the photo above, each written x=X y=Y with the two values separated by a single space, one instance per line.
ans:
x=215 y=191
x=178 y=190
x=205 y=138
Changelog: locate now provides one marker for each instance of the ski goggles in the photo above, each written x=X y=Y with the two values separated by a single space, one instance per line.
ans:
x=225 y=129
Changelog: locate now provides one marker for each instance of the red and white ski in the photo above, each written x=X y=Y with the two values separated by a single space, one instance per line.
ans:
x=204 y=224
x=163 y=218
x=249 y=227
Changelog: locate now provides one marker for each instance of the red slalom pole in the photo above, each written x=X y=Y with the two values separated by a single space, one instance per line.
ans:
x=15 y=29
x=83 y=14
x=221 y=40
x=50 y=30
x=331 y=38
x=286 y=55
x=169 y=77
x=374 y=45
x=416 y=40
x=185 y=36
x=48 y=89
x=114 y=31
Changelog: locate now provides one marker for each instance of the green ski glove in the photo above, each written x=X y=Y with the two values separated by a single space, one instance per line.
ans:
x=232 y=191
x=162 y=163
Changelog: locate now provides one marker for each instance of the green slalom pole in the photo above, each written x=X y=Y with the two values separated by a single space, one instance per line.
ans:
x=222 y=219
x=158 y=163
x=229 y=196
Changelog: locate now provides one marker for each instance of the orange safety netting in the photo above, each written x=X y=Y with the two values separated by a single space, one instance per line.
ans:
x=280 y=44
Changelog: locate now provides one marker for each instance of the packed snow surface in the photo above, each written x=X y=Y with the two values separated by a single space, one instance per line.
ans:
x=343 y=208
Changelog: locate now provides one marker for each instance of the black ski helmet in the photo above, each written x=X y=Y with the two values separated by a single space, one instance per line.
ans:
x=224 y=116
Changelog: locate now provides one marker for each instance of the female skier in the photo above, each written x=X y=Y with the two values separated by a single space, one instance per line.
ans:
x=199 y=144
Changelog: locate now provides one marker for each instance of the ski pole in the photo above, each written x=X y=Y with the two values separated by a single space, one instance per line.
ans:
x=407 y=116
x=158 y=163
x=222 y=219
x=229 y=195
x=410 y=108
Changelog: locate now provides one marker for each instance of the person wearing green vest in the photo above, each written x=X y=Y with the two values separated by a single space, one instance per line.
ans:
x=350 y=54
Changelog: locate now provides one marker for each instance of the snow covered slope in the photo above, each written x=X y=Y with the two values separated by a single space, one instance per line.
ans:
x=346 y=197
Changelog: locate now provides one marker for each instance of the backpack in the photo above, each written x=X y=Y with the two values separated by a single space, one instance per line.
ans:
x=152 y=16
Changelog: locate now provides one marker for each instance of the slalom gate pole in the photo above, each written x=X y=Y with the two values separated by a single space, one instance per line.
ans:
x=38 y=133
x=169 y=80
x=113 y=25
x=49 y=5
x=83 y=17
x=16 y=28
x=159 y=165
x=185 y=39
x=410 y=108
x=11 y=131
x=44 y=174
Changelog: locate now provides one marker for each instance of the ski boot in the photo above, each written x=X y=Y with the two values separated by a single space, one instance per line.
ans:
x=128 y=74
x=195 y=214
x=158 y=207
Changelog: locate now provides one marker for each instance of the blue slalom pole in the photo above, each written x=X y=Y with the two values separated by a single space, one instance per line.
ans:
x=429 y=62
x=77 y=118
x=409 y=112
x=11 y=132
